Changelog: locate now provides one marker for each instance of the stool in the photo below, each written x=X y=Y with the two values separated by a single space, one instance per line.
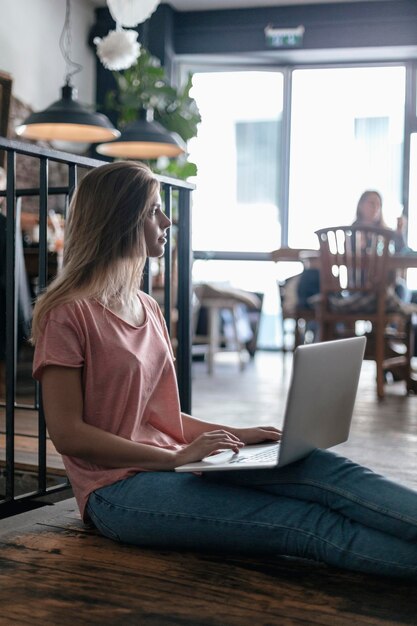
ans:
x=214 y=306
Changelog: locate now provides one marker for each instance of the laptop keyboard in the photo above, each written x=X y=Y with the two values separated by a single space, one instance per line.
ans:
x=265 y=456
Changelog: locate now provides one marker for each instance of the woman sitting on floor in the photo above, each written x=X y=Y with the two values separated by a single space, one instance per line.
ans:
x=111 y=403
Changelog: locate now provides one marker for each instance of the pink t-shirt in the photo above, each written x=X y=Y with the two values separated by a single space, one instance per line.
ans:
x=129 y=380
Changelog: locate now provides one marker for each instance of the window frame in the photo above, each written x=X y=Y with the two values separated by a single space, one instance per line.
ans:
x=186 y=65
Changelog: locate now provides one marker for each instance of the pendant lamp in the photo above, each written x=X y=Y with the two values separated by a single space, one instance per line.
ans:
x=144 y=139
x=66 y=119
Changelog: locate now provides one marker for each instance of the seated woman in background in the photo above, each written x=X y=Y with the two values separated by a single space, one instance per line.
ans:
x=368 y=213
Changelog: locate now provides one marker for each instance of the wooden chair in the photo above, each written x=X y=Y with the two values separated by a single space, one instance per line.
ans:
x=356 y=285
x=290 y=310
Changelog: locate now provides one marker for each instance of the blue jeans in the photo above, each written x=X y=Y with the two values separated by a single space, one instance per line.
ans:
x=324 y=507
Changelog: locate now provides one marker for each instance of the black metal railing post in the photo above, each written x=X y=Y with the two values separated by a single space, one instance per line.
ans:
x=43 y=279
x=184 y=300
x=11 y=324
x=168 y=259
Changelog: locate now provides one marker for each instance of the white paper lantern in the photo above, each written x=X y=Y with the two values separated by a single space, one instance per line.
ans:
x=131 y=12
x=119 y=49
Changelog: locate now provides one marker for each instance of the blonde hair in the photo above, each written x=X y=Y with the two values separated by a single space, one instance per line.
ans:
x=105 y=250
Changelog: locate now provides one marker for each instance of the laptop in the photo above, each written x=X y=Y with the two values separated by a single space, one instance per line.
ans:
x=318 y=411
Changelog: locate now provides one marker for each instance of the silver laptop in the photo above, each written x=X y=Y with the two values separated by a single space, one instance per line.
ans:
x=318 y=412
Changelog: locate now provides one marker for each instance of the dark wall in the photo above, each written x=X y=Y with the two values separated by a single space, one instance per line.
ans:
x=342 y=25
x=387 y=25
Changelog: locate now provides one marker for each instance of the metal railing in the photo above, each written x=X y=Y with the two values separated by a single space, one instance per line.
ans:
x=173 y=191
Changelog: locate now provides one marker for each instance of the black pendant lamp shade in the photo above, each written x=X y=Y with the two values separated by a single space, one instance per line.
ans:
x=144 y=139
x=67 y=120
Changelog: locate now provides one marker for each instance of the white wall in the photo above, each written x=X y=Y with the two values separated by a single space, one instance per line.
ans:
x=29 y=49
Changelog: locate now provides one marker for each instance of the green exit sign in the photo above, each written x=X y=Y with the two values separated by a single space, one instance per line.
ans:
x=284 y=37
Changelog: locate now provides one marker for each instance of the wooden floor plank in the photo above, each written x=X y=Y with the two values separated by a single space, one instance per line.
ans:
x=58 y=571
x=88 y=578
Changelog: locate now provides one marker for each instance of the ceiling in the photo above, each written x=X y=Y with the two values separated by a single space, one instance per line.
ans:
x=203 y=5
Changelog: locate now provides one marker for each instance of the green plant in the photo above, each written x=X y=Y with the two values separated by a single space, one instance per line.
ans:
x=145 y=85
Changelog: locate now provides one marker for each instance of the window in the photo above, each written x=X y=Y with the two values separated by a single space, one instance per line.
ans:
x=257 y=145
x=235 y=205
x=346 y=136
x=236 y=202
x=347 y=129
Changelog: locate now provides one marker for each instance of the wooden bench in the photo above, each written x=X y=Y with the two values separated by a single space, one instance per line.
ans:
x=55 y=570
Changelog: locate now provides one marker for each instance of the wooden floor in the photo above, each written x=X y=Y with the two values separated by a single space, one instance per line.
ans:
x=54 y=570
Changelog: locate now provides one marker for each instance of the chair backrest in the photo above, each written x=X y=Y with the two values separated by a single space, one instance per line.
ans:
x=353 y=261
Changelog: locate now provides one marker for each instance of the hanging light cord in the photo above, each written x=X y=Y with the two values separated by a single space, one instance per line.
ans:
x=65 y=42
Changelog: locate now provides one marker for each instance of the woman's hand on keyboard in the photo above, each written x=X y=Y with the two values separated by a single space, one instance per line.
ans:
x=257 y=434
x=206 y=444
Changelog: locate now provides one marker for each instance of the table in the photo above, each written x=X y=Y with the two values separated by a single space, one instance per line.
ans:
x=311 y=258
x=285 y=255
x=402 y=261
